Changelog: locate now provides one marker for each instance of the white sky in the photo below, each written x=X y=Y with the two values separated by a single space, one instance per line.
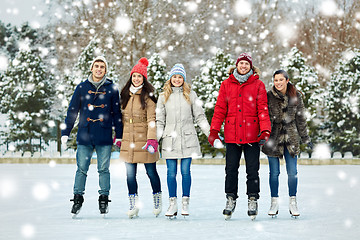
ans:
x=18 y=11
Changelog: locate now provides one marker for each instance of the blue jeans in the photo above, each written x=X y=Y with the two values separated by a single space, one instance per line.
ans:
x=185 y=173
x=291 y=169
x=83 y=160
x=150 y=171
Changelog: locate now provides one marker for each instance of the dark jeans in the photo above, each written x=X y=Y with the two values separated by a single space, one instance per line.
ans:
x=150 y=171
x=233 y=155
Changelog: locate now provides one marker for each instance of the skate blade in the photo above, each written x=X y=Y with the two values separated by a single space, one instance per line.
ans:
x=273 y=215
x=171 y=217
x=227 y=217
x=133 y=217
x=74 y=215
x=253 y=218
x=294 y=215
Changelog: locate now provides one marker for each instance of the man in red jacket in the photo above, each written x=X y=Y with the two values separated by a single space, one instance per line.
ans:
x=242 y=103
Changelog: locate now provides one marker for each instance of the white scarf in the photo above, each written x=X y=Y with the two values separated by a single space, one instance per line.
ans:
x=133 y=89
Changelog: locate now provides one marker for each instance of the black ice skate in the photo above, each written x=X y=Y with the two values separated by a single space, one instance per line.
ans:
x=103 y=204
x=252 y=208
x=230 y=207
x=78 y=201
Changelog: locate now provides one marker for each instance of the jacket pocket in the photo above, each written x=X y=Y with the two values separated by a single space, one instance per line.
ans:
x=229 y=129
x=252 y=128
x=167 y=143
x=191 y=139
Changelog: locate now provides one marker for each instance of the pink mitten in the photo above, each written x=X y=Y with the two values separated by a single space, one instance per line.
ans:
x=151 y=146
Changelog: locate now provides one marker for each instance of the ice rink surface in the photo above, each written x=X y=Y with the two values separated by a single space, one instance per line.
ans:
x=34 y=204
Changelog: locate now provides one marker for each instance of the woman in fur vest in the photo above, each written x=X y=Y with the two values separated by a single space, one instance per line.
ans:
x=242 y=104
x=288 y=125
x=139 y=144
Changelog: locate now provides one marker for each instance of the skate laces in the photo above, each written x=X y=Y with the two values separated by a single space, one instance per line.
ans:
x=156 y=200
x=132 y=201
x=230 y=203
x=252 y=204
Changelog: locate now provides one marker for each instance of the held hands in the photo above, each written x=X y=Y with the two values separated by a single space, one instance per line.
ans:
x=117 y=141
x=151 y=146
x=64 y=140
x=214 y=139
x=263 y=137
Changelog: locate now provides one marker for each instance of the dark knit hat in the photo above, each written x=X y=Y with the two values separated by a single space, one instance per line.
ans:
x=246 y=57
x=141 y=67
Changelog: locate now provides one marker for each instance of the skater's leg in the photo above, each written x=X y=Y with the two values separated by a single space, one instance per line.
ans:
x=291 y=169
x=233 y=155
x=103 y=163
x=274 y=171
x=186 y=176
x=83 y=159
x=153 y=176
x=171 y=177
x=131 y=178
x=252 y=155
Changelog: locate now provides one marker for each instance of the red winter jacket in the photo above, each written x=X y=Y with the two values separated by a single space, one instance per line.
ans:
x=244 y=108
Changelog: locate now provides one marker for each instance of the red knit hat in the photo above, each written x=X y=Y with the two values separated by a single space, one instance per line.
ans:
x=141 y=67
x=246 y=57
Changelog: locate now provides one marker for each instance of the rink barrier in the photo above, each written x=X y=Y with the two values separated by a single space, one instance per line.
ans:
x=199 y=161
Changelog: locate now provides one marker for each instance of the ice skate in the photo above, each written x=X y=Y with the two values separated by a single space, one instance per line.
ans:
x=172 y=210
x=78 y=201
x=185 y=206
x=157 y=203
x=103 y=204
x=274 y=208
x=230 y=207
x=133 y=209
x=293 y=209
x=252 y=208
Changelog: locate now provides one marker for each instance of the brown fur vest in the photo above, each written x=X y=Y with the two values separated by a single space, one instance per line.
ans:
x=288 y=124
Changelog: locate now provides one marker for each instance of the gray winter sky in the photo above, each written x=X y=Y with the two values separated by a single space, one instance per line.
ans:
x=18 y=11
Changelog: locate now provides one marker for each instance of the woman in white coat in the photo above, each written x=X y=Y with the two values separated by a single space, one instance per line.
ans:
x=178 y=108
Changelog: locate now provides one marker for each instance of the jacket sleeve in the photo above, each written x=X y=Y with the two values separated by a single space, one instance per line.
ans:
x=160 y=117
x=300 y=120
x=72 y=112
x=116 y=113
x=150 y=118
x=199 y=114
x=262 y=108
x=220 y=109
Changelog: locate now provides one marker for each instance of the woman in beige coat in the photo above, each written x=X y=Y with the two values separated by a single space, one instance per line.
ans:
x=139 y=144
x=177 y=110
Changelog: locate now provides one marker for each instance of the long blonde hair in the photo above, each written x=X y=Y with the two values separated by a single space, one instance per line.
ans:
x=168 y=91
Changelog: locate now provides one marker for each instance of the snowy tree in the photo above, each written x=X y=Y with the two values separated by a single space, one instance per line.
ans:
x=26 y=94
x=156 y=72
x=343 y=104
x=207 y=86
x=305 y=79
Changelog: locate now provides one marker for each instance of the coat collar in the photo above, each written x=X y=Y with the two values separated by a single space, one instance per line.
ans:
x=251 y=79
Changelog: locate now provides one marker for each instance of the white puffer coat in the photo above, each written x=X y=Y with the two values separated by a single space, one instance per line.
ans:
x=175 y=123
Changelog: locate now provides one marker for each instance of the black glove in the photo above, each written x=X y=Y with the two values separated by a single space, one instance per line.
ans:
x=310 y=145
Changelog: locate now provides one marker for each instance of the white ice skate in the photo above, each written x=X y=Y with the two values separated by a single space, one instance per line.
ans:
x=133 y=209
x=293 y=209
x=172 y=210
x=274 y=208
x=157 y=203
x=185 y=206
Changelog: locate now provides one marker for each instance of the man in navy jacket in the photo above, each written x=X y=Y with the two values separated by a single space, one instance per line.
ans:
x=97 y=101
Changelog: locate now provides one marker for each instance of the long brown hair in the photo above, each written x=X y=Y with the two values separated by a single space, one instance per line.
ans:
x=168 y=90
x=147 y=92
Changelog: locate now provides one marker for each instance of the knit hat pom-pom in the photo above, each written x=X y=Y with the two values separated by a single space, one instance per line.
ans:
x=144 y=61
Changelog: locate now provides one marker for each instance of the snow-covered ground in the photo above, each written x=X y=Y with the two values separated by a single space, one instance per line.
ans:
x=34 y=204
